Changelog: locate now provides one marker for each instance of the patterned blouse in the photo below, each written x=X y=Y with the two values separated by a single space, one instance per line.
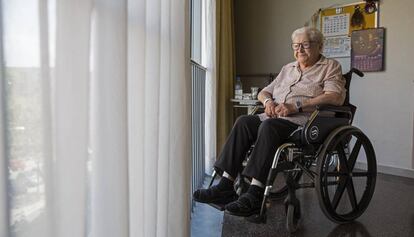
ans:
x=293 y=85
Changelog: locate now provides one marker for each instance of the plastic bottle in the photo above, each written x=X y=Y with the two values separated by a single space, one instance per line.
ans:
x=238 y=89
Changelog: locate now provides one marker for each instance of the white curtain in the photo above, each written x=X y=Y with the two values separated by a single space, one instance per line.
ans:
x=4 y=217
x=109 y=120
x=209 y=61
x=70 y=97
x=111 y=124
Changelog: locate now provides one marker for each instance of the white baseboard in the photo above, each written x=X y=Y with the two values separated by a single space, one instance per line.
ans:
x=385 y=169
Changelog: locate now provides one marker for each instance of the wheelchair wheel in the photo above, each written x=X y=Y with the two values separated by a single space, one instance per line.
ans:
x=293 y=217
x=345 y=189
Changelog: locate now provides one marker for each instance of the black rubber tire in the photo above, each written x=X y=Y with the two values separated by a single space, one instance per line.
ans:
x=278 y=193
x=342 y=209
x=293 y=218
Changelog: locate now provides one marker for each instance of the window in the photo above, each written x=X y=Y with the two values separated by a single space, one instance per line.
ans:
x=23 y=86
x=196 y=26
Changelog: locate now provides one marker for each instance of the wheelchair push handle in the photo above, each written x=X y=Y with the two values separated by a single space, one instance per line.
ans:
x=356 y=71
x=348 y=77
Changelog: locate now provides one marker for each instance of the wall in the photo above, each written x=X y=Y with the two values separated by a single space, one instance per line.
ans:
x=385 y=99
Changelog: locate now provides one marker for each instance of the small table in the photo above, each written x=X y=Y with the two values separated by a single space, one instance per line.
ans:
x=251 y=105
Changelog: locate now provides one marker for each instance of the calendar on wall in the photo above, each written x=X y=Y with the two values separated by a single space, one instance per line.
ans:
x=337 y=46
x=368 y=50
x=335 y=25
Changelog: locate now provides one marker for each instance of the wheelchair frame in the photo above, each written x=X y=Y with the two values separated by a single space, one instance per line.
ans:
x=334 y=164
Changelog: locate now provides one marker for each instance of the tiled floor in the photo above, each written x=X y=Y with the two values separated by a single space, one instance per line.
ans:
x=205 y=220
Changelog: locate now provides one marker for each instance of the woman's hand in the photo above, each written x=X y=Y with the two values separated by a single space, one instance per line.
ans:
x=283 y=110
x=270 y=109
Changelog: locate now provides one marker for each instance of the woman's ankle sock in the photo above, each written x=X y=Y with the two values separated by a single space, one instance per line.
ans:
x=225 y=184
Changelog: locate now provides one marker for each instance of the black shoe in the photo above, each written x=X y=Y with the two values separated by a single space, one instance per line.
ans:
x=215 y=195
x=248 y=204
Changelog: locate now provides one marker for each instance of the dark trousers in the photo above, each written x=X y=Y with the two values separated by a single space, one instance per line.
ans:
x=266 y=136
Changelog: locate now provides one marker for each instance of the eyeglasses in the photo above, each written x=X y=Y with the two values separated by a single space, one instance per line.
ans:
x=305 y=45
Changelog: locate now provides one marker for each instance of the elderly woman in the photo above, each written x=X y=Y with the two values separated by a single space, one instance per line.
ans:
x=288 y=101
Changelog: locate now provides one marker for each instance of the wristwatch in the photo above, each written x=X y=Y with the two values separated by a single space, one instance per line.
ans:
x=299 y=106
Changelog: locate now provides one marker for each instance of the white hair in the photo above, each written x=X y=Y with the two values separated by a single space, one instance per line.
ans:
x=313 y=34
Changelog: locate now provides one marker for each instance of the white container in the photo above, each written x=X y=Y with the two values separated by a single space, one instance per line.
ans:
x=238 y=89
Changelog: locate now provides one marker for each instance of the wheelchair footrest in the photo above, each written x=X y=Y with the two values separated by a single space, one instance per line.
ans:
x=219 y=207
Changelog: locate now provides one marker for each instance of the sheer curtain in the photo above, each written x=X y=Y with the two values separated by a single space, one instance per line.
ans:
x=209 y=61
x=4 y=214
x=95 y=132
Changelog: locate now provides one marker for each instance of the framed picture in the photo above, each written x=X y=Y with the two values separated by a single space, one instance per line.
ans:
x=367 y=49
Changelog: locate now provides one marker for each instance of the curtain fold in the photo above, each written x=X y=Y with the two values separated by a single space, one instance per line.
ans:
x=165 y=110
x=136 y=103
x=179 y=179
x=71 y=113
x=4 y=213
x=209 y=61
x=46 y=114
x=108 y=120
x=226 y=69
x=151 y=115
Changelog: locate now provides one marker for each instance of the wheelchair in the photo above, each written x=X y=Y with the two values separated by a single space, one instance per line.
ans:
x=325 y=151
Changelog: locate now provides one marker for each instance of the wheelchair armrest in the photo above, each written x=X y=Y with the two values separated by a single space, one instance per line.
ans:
x=340 y=111
x=333 y=108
